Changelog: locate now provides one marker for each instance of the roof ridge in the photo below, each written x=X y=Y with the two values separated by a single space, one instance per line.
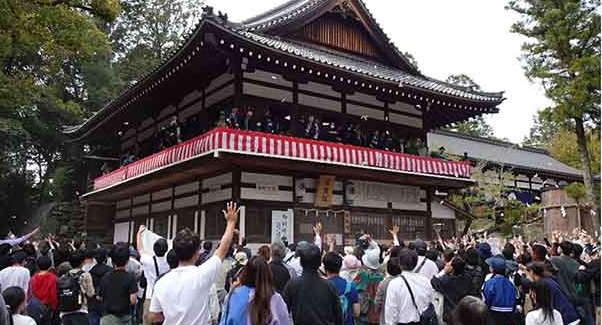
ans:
x=493 y=141
x=264 y=14
x=459 y=87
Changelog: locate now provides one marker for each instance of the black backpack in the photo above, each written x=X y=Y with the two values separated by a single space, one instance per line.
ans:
x=69 y=292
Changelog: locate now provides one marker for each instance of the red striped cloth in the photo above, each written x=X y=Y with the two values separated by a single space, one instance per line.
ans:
x=270 y=145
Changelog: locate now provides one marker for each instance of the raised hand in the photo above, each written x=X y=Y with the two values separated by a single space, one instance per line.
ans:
x=231 y=212
x=141 y=229
x=318 y=228
x=394 y=230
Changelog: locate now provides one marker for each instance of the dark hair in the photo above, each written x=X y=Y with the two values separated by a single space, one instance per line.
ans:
x=256 y=274
x=508 y=253
x=18 y=257
x=14 y=297
x=89 y=252
x=459 y=265
x=393 y=266
x=310 y=257
x=44 y=247
x=120 y=254
x=160 y=247
x=186 y=244
x=5 y=249
x=448 y=255
x=432 y=255
x=408 y=258
x=277 y=249
x=539 y=252
x=29 y=249
x=538 y=268
x=44 y=263
x=577 y=251
x=332 y=262
x=207 y=245
x=264 y=251
x=543 y=299
x=567 y=248
x=76 y=259
x=470 y=311
x=172 y=259
x=395 y=251
x=472 y=257
x=101 y=255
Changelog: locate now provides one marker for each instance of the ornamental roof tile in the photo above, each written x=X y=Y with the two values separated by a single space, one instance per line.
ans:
x=367 y=67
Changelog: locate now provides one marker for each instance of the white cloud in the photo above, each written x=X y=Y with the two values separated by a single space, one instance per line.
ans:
x=450 y=37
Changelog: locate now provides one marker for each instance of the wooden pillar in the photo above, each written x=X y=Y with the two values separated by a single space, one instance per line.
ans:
x=428 y=221
x=236 y=178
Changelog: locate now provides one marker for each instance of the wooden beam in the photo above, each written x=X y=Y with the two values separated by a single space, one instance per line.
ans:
x=428 y=222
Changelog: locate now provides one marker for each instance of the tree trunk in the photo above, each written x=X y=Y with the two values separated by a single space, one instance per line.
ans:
x=587 y=171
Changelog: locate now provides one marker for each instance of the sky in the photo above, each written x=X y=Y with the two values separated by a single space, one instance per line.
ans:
x=450 y=37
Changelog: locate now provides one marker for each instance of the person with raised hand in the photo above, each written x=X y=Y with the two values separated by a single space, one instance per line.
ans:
x=181 y=297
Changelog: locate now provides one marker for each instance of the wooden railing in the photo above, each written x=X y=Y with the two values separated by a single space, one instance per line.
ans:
x=286 y=147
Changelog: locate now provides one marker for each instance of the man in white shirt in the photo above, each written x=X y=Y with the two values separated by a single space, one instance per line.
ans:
x=181 y=297
x=15 y=275
x=153 y=266
x=424 y=267
x=399 y=308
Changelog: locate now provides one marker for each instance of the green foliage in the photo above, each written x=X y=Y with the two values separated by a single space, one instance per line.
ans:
x=476 y=126
x=575 y=191
x=147 y=31
x=563 y=146
x=542 y=131
x=562 y=52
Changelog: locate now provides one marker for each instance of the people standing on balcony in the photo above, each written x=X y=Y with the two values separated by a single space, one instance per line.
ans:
x=388 y=143
x=269 y=125
x=191 y=128
x=374 y=141
x=174 y=132
x=312 y=128
x=249 y=120
x=332 y=135
x=235 y=119
x=221 y=120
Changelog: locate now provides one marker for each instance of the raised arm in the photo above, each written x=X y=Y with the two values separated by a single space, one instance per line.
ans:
x=139 y=244
x=394 y=231
x=317 y=233
x=231 y=216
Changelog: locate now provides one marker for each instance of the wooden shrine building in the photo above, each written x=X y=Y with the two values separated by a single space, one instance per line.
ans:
x=305 y=112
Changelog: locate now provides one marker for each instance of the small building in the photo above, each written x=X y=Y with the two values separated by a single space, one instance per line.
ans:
x=307 y=112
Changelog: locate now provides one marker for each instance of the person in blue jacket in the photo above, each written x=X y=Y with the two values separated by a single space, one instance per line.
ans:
x=536 y=271
x=499 y=293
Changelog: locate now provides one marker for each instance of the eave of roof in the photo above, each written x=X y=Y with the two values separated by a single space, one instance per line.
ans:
x=395 y=77
x=566 y=172
x=298 y=9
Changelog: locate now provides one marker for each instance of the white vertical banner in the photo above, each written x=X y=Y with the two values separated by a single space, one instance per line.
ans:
x=241 y=221
x=282 y=225
x=169 y=223
x=203 y=222
x=196 y=223
x=120 y=231
x=131 y=238
x=174 y=226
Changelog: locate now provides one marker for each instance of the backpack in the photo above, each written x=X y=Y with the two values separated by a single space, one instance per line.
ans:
x=344 y=300
x=69 y=292
x=367 y=283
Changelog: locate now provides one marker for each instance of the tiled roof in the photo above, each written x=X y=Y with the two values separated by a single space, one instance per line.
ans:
x=369 y=68
x=281 y=14
x=500 y=152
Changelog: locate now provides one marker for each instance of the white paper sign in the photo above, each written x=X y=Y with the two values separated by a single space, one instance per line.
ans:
x=282 y=225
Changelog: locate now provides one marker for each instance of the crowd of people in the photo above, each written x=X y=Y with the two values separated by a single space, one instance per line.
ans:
x=472 y=280
x=308 y=126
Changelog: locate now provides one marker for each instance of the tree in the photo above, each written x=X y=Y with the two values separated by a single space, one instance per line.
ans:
x=541 y=132
x=563 y=54
x=43 y=48
x=147 y=31
x=476 y=126
x=562 y=146
x=411 y=59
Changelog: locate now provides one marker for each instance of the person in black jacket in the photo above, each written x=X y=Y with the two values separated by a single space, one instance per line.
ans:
x=279 y=271
x=311 y=299
x=454 y=285
x=95 y=310
x=590 y=274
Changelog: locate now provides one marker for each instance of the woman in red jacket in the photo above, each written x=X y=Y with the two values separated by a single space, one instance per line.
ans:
x=43 y=284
